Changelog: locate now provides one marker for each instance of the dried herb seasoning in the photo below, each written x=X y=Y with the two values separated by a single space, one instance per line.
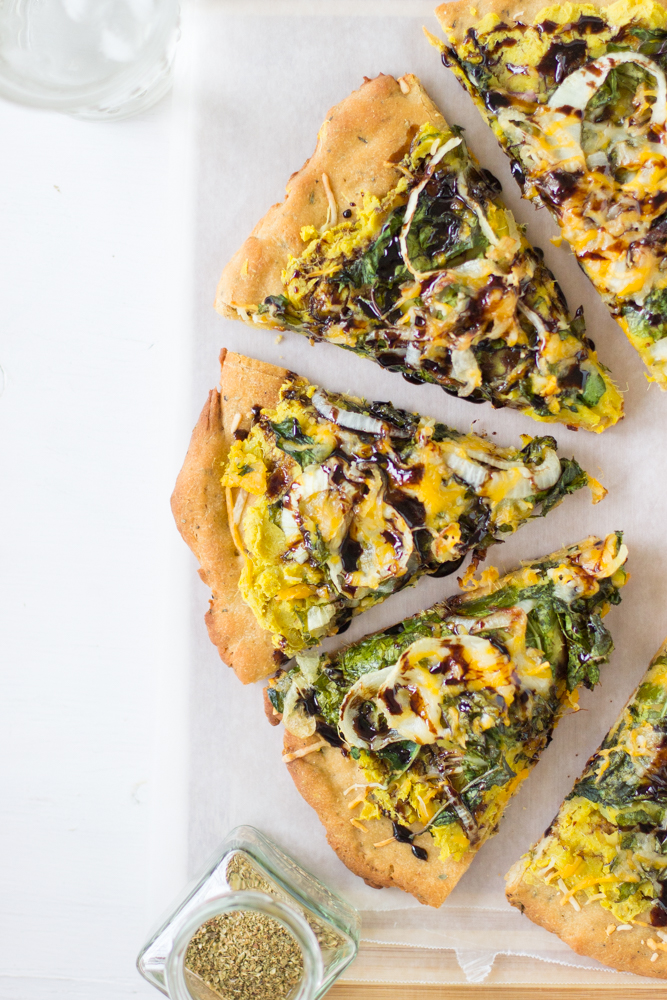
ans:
x=246 y=956
x=241 y=874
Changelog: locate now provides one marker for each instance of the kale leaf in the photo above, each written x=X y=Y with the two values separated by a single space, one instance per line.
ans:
x=589 y=644
x=365 y=269
x=613 y=101
x=571 y=479
x=649 y=320
x=543 y=632
x=299 y=446
x=594 y=388
x=276 y=698
x=399 y=756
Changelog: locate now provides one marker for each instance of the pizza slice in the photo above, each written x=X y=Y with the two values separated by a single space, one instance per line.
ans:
x=576 y=95
x=598 y=878
x=307 y=507
x=393 y=243
x=410 y=743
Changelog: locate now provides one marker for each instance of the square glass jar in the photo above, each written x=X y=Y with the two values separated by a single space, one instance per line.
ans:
x=249 y=873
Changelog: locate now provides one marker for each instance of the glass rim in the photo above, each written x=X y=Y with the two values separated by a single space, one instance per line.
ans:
x=23 y=90
x=251 y=902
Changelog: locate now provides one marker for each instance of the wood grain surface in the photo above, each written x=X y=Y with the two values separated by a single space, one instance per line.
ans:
x=399 y=991
x=427 y=973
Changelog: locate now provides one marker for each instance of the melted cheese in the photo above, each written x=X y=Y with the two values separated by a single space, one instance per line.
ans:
x=431 y=330
x=408 y=696
x=602 y=218
x=338 y=534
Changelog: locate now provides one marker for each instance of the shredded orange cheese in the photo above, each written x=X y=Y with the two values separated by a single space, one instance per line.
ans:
x=295 y=754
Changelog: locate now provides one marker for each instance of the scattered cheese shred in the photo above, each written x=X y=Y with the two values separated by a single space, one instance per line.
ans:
x=359 y=825
x=584 y=884
x=598 y=492
x=654 y=956
x=404 y=85
x=332 y=210
x=383 y=843
x=233 y=526
x=624 y=927
x=610 y=929
x=239 y=506
x=362 y=784
x=295 y=754
x=235 y=423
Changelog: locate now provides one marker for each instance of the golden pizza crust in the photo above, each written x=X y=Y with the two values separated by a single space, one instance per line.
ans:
x=199 y=508
x=584 y=931
x=322 y=777
x=357 y=146
x=457 y=17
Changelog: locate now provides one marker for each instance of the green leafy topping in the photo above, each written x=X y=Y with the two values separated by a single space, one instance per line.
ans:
x=589 y=644
x=291 y=439
x=594 y=389
x=613 y=101
x=649 y=320
x=276 y=698
x=399 y=756
x=572 y=478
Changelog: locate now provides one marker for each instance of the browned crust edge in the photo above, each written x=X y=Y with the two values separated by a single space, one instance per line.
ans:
x=457 y=17
x=322 y=777
x=357 y=146
x=200 y=511
x=584 y=931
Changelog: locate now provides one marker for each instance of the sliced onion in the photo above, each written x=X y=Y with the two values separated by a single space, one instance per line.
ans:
x=365 y=689
x=548 y=473
x=577 y=89
x=658 y=350
x=319 y=616
x=295 y=718
x=308 y=664
x=521 y=487
x=411 y=207
x=346 y=418
x=598 y=159
x=408 y=695
x=465 y=369
x=288 y=523
x=472 y=473
x=495 y=463
x=313 y=480
x=413 y=355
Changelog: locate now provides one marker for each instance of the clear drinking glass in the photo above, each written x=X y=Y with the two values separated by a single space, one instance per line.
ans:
x=94 y=59
x=248 y=873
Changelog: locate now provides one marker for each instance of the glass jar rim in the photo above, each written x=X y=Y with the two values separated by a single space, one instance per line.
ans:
x=161 y=47
x=252 y=902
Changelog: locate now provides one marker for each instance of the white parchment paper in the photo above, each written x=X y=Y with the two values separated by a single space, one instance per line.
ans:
x=262 y=77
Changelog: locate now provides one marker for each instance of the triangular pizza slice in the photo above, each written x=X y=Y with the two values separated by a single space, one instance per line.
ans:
x=598 y=878
x=410 y=742
x=393 y=243
x=576 y=95
x=306 y=507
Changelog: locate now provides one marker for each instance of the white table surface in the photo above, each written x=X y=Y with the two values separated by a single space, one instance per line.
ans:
x=92 y=835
